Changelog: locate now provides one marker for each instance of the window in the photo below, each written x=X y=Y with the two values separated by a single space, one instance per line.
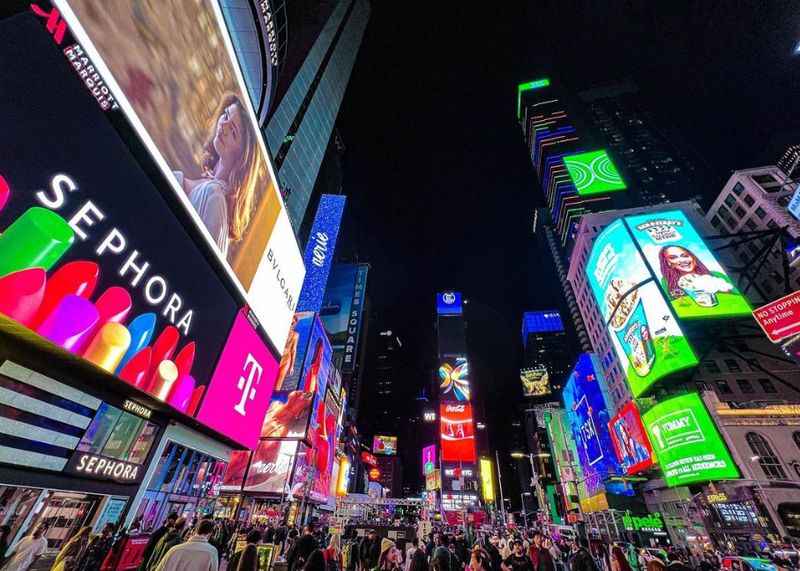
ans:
x=711 y=367
x=796 y=438
x=748 y=200
x=745 y=386
x=733 y=365
x=772 y=224
x=767 y=386
x=738 y=188
x=760 y=212
x=741 y=212
x=769 y=462
x=730 y=200
x=723 y=388
x=751 y=225
x=715 y=221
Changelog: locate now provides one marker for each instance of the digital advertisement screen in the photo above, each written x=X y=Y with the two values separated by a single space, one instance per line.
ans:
x=631 y=443
x=92 y=258
x=240 y=390
x=687 y=444
x=487 y=483
x=689 y=273
x=342 y=310
x=320 y=250
x=270 y=468
x=535 y=382
x=457 y=432
x=322 y=436
x=429 y=459
x=448 y=303
x=585 y=401
x=644 y=333
x=305 y=377
x=593 y=173
x=384 y=445
x=454 y=380
x=184 y=89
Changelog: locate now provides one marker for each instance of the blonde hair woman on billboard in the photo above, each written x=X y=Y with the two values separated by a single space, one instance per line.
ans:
x=225 y=195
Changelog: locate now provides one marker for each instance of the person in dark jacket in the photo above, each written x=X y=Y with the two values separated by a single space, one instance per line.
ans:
x=97 y=550
x=676 y=563
x=518 y=560
x=581 y=559
x=370 y=550
x=155 y=537
x=302 y=549
x=315 y=561
x=237 y=561
x=173 y=537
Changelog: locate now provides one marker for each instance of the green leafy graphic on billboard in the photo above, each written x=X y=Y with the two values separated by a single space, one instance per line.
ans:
x=687 y=444
x=593 y=173
x=645 y=335
x=689 y=273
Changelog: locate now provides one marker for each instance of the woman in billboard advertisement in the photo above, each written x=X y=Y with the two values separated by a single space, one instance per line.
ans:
x=224 y=196
x=686 y=275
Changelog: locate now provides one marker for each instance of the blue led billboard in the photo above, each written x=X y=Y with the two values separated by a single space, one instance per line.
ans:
x=585 y=402
x=319 y=251
x=448 y=303
x=546 y=321
x=342 y=311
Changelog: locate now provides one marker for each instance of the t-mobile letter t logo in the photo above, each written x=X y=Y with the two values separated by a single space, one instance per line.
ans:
x=253 y=371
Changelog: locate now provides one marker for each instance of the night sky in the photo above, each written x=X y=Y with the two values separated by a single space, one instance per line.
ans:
x=441 y=191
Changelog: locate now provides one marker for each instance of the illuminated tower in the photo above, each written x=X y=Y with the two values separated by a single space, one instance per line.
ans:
x=457 y=441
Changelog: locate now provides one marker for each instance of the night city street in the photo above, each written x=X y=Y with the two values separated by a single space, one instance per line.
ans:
x=360 y=285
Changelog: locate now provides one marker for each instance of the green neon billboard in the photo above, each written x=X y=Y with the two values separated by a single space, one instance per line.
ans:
x=593 y=173
x=522 y=87
x=688 y=446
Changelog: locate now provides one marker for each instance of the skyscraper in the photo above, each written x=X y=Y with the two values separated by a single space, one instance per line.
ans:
x=547 y=352
x=298 y=131
x=297 y=60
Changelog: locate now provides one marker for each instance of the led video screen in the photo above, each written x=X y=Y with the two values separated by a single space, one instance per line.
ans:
x=687 y=444
x=631 y=443
x=457 y=432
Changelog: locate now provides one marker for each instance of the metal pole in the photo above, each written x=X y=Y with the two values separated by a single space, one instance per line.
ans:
x=522 y=508
x=500 y=485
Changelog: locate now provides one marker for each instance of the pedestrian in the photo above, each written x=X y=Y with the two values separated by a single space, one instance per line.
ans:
x=581 y=559
x=410 y=552
x=480 y=560
x=302 y=548
x=72 y=550
x=155 y=537
x=442 y=559
x=390 y=558
x=632 y=556
x=418 y=561
x=97 y=550
x=315 y=561
x=173 y=537
x=333 y=553
x=546 y=560
x=518 y=560
x=618 y=560
x=369 y=551
x=240 y=561
x=27 y=551
x=196 y=554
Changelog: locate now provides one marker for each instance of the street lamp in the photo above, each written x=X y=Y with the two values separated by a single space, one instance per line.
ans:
x=524 y=511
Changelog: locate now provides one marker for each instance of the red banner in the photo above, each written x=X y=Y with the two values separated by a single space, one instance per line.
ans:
x=780 y=318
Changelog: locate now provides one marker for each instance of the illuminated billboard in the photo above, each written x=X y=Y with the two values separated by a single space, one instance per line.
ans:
x=322 y=435
x=687 y=444
x=448 y=303
x=593 y=173
x=320 y=249
x=384 y=445
x=93 y=257
x=342 y=311
x=457 y=432
x=454 y=380
x=304 y=388
x=429 y=459
x=585 y=402
x=535 y=382
x=644 y=333
x=631 y=444
x=269 y=471
x=188 y=102
x=487 y=484
x=688 y=272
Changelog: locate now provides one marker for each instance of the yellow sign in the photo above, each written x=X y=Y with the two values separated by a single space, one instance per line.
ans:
x=433 y=480
x=596 y=503
x=487 y=484
x=717 y=498
x=343 y=478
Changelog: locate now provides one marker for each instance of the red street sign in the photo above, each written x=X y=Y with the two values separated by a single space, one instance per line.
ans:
x=780 y=318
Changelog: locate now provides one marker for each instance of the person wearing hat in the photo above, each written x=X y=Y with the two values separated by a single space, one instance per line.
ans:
x=390 y=558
